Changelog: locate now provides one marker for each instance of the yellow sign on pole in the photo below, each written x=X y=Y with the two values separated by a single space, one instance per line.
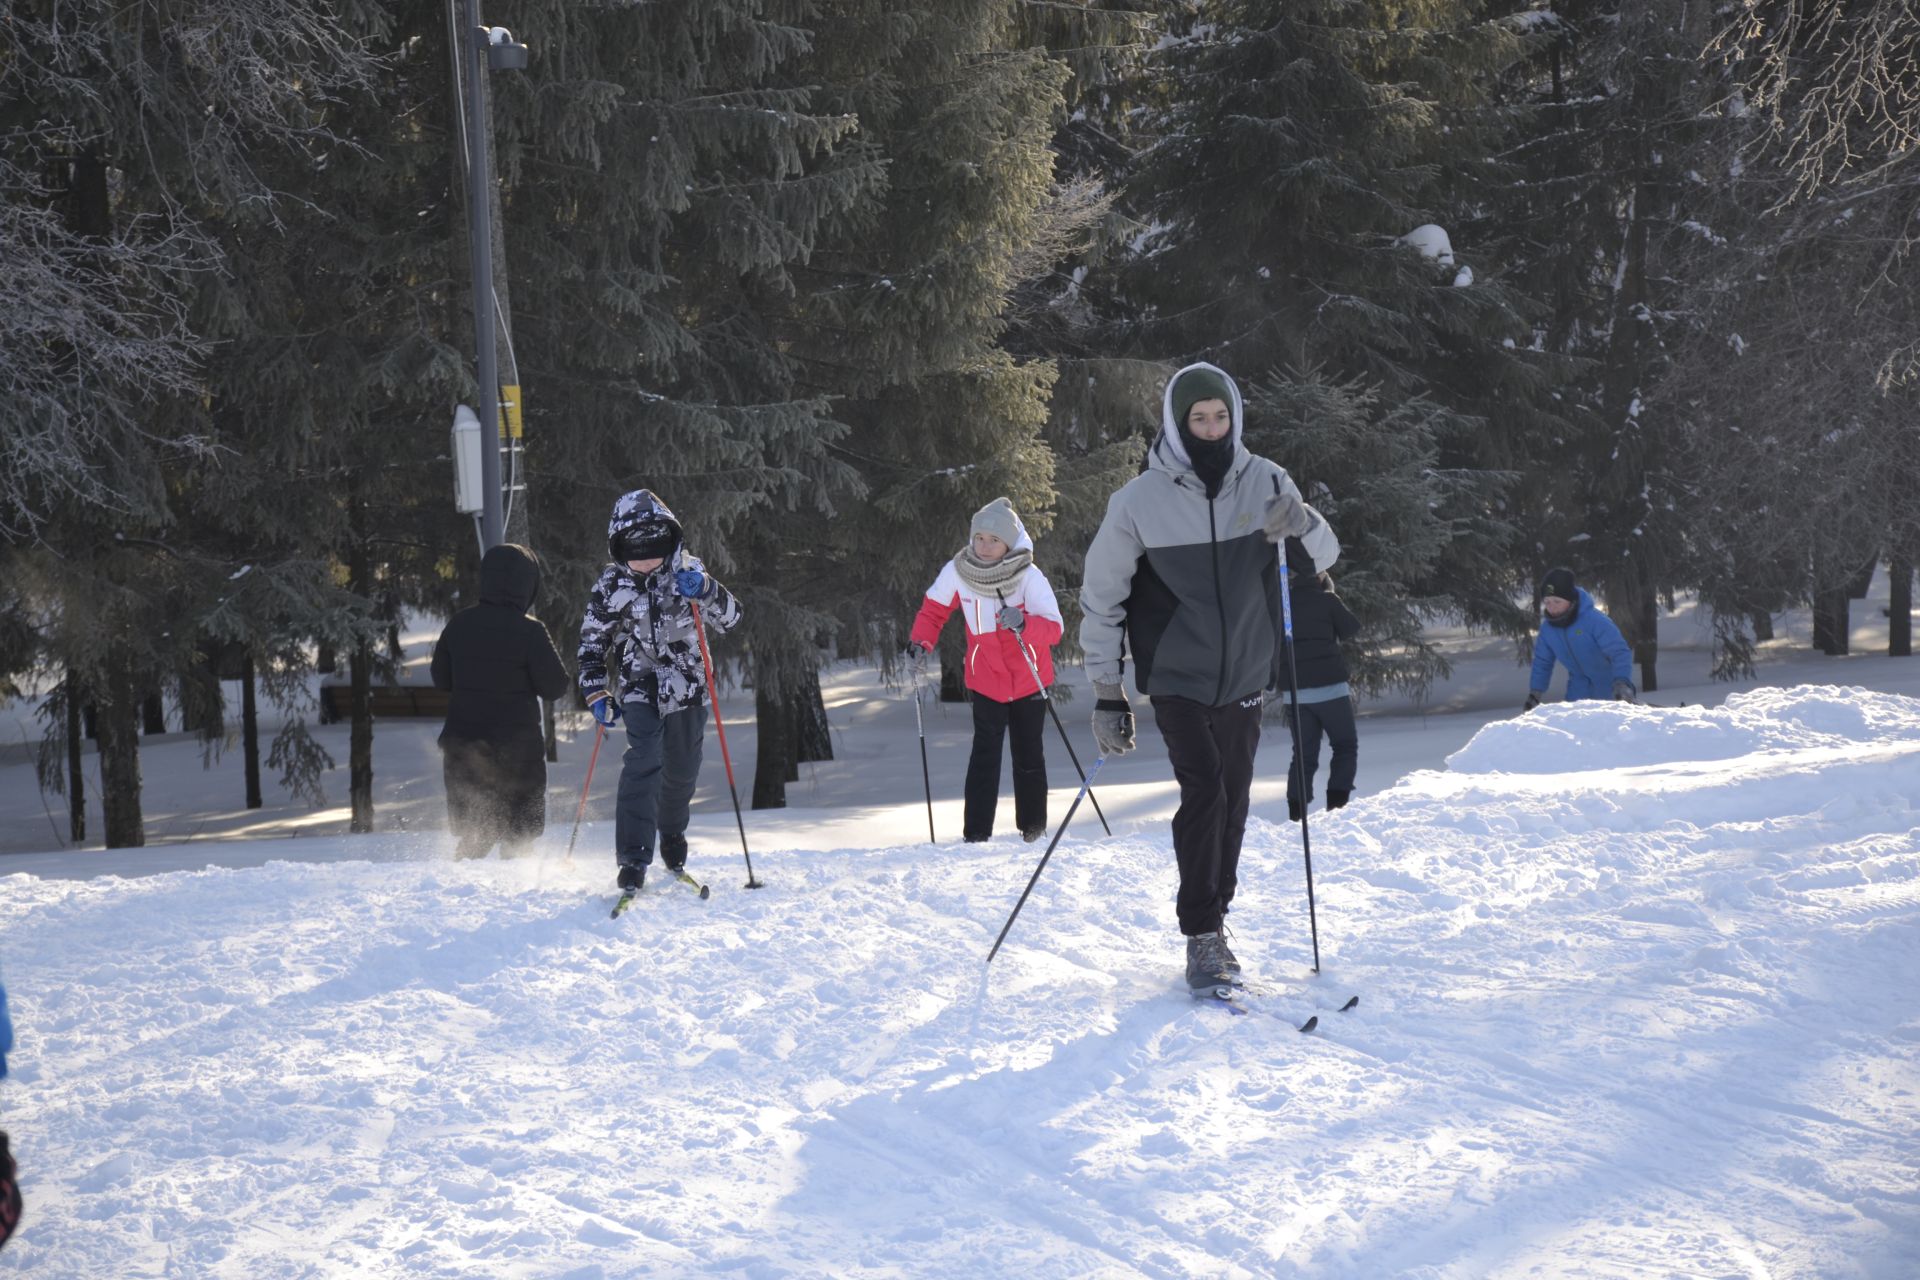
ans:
x=510 y=411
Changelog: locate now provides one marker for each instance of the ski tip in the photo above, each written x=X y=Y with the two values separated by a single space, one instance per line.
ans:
x=620 y=906
x=1349 y=1004
x=706 y=893
x=1310 y=1024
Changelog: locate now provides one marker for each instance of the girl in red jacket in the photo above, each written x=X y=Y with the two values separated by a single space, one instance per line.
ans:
x=1013 y=622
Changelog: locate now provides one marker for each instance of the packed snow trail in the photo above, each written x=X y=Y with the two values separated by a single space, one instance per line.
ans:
x=1638 y=1000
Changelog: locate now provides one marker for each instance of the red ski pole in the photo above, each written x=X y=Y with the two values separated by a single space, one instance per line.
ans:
x=713 y=696
x=600 y=732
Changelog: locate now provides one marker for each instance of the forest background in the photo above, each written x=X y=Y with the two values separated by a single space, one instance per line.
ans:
x=1620 y=285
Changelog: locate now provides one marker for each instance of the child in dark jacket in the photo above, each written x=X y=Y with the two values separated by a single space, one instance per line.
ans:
x=498 y=662
x=1320 y=622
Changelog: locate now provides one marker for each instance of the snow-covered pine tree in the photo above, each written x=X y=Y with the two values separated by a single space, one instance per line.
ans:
x=129 y=132
x=1798 y=384
x=667 y=167
x=1618 y=143
x=1298 y=147
x=1101 y=411
x=899 y=323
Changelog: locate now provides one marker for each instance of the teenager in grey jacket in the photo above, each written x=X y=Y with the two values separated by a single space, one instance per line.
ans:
x=1183 y=575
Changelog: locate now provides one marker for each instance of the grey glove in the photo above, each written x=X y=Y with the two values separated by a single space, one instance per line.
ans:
x=1012 y=619
x=916 y=659
x=1286 y=517
x=1623 y=691
x=1533 y=700
x=1112 y=720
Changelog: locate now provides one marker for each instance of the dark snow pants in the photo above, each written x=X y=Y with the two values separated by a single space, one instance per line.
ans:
x=496 y=793
x=1212 y=751
x=657 y=778
x=1023 y=723
x=1335 y=720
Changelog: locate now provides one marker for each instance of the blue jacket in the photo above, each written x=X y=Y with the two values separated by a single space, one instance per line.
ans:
x=1590 y=647
x=6 y=1033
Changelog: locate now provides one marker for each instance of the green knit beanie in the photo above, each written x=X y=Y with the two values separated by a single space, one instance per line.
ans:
x=1195 y=385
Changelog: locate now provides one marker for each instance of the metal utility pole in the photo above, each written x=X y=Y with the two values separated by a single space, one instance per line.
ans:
x=478 y=49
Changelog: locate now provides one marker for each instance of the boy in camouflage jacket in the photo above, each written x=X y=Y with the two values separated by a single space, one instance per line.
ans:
x=640 y=624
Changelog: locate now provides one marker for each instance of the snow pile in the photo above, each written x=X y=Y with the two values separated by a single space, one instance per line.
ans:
x=1636 y=999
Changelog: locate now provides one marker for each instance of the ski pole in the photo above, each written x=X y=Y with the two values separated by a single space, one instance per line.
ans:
x=1047 y=698
x=1085 y=788
x=713 y=694
x=600 y=733
x=1299 y=756
x=720 y=726
x=926 y=777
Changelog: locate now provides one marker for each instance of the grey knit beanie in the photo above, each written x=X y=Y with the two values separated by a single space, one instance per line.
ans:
x=998 y=519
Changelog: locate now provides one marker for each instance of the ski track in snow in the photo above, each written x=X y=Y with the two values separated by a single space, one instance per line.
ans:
x=1639 y=1007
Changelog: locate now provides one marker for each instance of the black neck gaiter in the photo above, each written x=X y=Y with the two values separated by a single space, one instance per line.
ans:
x=1210 y=459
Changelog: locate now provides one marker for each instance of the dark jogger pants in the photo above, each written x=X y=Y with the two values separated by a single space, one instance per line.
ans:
x=656 y=782
x=1023 y=722
x=1212 y=752
x=1335 y=720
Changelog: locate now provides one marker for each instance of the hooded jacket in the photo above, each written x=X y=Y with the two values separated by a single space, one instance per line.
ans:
x=1590 y=647
x=1189 y=584
x=1321 y=620
x=497 y=661
x=646 y=619
x=996 y=668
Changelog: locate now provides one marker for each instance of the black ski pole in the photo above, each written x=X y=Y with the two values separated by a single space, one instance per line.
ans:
x=1299 y=756
x=1085 y=787
x=1047 y=697
x=926 y=778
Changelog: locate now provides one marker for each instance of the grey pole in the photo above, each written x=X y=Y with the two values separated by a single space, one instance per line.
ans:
x=473 y=56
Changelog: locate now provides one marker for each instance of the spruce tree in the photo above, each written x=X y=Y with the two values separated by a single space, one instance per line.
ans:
x=1296 y=147
x=903 y=318
x=666 y=169
x=133 y=131
x=1797 y=382
x=1619 y=146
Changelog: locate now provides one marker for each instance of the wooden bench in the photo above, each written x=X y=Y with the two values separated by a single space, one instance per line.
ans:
x=389 y=702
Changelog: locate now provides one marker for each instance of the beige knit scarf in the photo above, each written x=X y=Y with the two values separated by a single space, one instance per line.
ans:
x=989 y=579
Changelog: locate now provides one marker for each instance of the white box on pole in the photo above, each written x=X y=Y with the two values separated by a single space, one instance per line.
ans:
x=467 y=485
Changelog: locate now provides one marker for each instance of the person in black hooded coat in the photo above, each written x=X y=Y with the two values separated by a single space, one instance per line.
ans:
x=1321 y=620
x=497 y=662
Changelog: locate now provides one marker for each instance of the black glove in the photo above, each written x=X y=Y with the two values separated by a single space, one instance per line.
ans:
x=1533 y=700
x=1623 y=691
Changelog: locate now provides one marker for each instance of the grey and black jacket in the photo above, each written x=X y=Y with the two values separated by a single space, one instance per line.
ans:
x=1187 y=584
x=660 y=658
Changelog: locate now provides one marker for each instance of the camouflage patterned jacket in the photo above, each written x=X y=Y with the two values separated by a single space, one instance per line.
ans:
x=648 y=623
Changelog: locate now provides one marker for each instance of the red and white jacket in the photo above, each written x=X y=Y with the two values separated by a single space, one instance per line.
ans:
x=995 y=667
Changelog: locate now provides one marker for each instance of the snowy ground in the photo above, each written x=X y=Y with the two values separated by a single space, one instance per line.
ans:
x=1637 y=1000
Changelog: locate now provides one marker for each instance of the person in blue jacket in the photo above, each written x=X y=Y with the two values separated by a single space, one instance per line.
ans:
x=1582 y=639
x=9 y=1182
